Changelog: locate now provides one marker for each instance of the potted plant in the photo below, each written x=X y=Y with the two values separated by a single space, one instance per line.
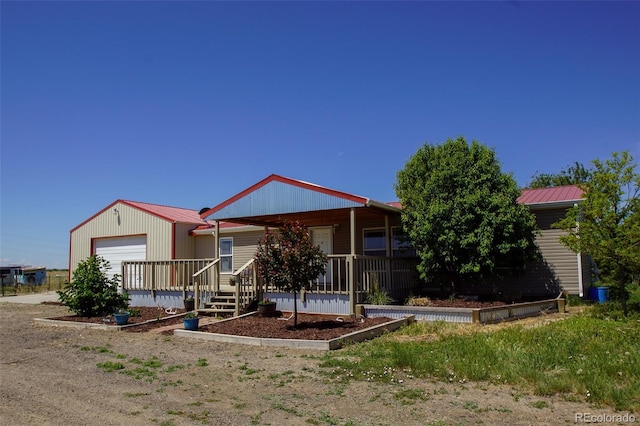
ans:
x=233 y=279
x=266 y=307
x=191 y=321
x=189 y=303
x=121 y=317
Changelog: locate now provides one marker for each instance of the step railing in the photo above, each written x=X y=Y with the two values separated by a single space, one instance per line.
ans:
x=206 y=280
x=245 y=281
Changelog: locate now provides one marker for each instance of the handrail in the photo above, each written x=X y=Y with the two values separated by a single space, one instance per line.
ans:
x=243 y=274
x=206 y=267
x=243 y=267
x=196 y=292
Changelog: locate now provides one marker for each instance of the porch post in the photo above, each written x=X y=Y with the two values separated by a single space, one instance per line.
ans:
x=388 y=262
x=216 y=271
x=351 y=273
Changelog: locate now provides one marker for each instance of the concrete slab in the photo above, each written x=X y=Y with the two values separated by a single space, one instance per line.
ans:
x=31 y=299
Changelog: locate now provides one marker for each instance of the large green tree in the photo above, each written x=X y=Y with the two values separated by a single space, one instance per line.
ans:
x=606 y=225
x=461 y=214
x=288 y=259
x=575 y=174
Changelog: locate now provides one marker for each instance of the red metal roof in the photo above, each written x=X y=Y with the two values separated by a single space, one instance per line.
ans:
x=557 y=194
x=172 y=214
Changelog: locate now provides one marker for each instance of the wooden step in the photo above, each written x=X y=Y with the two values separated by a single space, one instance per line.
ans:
x=218 y=310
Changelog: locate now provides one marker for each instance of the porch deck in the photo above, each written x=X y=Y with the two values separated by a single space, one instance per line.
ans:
x=347 y=281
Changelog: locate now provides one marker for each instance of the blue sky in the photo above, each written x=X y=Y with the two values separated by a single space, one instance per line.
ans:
x=188 y=103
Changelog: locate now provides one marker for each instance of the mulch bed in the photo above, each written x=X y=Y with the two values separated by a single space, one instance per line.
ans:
x=310 y=326
x=142 y=314
x=462 y=303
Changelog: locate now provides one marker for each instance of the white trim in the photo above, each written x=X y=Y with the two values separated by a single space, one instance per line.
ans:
x=231 y=230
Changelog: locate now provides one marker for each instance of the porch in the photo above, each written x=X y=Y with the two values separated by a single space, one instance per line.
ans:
x=347 y=282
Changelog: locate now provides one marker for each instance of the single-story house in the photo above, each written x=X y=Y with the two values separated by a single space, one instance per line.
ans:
x=166 y=253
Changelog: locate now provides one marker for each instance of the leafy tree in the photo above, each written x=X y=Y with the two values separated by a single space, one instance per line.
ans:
x=573 y=175
x=288 y=259
x=91 y=293
x=607 y=223
x=461 y=214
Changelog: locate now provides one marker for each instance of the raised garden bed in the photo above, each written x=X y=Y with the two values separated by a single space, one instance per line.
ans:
x=321 y=332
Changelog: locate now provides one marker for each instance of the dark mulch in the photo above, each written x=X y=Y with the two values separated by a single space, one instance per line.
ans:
x=142 y=314
x=462 y=303
x=310 y=326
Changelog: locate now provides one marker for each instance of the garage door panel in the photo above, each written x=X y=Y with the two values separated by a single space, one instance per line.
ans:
x=117 y=250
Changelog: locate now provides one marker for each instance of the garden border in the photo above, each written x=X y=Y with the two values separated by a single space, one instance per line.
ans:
x=323 y=345
x=466 y=315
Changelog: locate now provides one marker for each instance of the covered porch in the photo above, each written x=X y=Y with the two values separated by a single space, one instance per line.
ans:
x=360 y=236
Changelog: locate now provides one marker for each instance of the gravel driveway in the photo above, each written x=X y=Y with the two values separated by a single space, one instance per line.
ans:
x=64 y=376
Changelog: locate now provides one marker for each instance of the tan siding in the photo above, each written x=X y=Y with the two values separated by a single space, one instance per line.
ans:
x=129 y=221
x=244 y=246
x=185 y=243
x=557 y=271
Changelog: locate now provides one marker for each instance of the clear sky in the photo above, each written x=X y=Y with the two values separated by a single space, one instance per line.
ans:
x=188 y=103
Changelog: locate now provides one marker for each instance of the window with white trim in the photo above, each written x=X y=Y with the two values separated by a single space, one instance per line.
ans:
x=226 y=254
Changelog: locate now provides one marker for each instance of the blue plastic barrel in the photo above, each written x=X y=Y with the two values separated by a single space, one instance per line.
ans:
x=603 y=294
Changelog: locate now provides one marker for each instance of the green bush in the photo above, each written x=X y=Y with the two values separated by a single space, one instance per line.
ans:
x=91 y=292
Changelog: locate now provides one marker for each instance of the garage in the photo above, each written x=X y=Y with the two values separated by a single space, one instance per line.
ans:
x=117 y=250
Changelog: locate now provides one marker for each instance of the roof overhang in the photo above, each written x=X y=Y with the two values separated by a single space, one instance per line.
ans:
x=277 y=199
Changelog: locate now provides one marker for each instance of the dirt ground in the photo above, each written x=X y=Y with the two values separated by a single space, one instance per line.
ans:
x=58 y=375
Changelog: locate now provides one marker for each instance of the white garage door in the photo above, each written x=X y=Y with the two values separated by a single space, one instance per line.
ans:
x=116 y=250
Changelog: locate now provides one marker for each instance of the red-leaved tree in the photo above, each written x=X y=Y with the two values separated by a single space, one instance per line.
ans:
x=288 y=259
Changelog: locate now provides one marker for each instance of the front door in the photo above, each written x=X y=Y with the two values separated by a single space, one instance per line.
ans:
x=323 y=237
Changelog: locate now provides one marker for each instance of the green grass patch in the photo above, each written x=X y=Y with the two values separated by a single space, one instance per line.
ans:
x=109 y=366
x=583 y=358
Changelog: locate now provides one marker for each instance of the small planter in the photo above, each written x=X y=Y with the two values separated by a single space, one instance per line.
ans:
x=267 y=309
x=190 y=323
x=189 y=304
x=121 y=319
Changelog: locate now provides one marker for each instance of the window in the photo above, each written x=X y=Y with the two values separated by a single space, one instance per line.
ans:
x=375 y=243
x=400 y=243
x=226 y=254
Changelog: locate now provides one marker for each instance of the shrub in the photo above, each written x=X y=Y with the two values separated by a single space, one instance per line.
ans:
x=91 y=292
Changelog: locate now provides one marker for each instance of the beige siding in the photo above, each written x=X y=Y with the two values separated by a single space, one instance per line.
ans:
x=128 y=221
x=245 y=244
x=557 y=271
x=185 y=244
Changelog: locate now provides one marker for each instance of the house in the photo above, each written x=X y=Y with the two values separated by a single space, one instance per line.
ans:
x=164 y=253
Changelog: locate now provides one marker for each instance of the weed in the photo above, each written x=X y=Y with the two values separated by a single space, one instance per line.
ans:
x=410 y=396
x=109 y=366
x=201 y=362
x=540 y=404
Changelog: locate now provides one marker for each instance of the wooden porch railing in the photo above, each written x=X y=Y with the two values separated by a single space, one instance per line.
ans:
x=163 y=275
x=202 y=281
x=397 y=275
x=353 y=275
x=246 y=285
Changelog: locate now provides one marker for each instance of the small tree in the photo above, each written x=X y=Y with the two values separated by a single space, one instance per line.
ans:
x=462 y=216
x=91 y=292
x=288 y=259
x=607 y=224
x=573 y=175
